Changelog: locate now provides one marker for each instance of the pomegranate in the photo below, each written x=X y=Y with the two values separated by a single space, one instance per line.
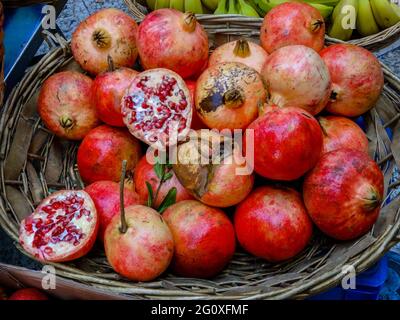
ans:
x=340 y=132
x=101 y=152
x=170 y=39
x=228 y=95
x=292 y=23
x=204 y=239
x=207 y=170
x=108 y=89
x=246 y=52
x=296 y=76
x=357 y=79
x=156 y=105
x=287 y=143
x=66 y=106
x=28 y=294
x=106 y=33
x=62 y=228
x=272 y=223
x=196 y=121
x=343 y=193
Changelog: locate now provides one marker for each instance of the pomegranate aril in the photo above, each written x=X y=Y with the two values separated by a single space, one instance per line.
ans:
x=48 y=250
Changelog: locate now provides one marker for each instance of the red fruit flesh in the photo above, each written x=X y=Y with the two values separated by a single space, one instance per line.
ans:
x=173 y=40
x=28 y=294
x=204 y=239
x=357 y=79
x=272 y=223
x=196 y=124
x=62 y=228
x=343 y=193
x=108 y=90
x=106 y=197
x=145 y=250
x=340 y=133
x=292 y=23
x=106 y=33
x=66 y=105
x=287 y=143
x=101 y=153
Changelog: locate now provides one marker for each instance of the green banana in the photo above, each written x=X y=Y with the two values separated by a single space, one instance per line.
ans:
x=232 y=7
x=246 y=9
x=384 y=13
x=341 y=27
x=325 y=10
x=177 y=4
x=193 y=6
x=396 y=8
x=210 y=4
x=161 y=4
x=366 y=24
x=151 y=4
x=268 y=5
x=222 y=7
x=330 y=3
x=255 y=6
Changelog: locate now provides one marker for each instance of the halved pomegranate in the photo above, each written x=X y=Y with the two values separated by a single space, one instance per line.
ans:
x=62 y=228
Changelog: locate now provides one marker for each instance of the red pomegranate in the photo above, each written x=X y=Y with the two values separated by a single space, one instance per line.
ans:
x=340 y=132
x=272 y=223
x=292 y=23
x=170 y=39
x=62 y=228
x=66 y=105
x=141 y=249
x=296 y=76
x=204 y=239
x=156 y=105
x=28 y=294
x=357 y=79
x=106 y=33
x=106 y=197
x=287 y=143
x=102 y=151
x=343 y=193
x=246 y=52
x=228 y=95
x=196 y=124
x=108 y=90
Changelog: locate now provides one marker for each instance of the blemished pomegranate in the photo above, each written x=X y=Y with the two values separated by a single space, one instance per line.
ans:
x=292 y=23
x=62 y=228
x=343 y=193
x=170 y=39
x=246 y=52
x=101 y=152
x=66 y=105
x=228 y=95
x=156 y=105
x=340 y=133
x=287 y=143
x=357 y=79
x=204 y=239
x=28 y=294
x=296 y=76
x=208 y=170
x=272 y=223
x=108 y=90
x=106 y=197
x=196 y=121
x=106 y=33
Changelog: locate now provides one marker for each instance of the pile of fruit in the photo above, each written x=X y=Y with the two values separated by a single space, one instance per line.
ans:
x=292 y=94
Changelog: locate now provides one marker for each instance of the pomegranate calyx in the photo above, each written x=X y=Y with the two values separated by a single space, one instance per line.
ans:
x=101 y=38
x=316 y=25
x=242 y=48
x=334 y=96
x=372 y=201
x=189 y=21
x=233 y=98
x=66 y=122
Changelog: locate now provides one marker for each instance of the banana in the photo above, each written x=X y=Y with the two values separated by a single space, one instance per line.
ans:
x=325 y=10
x=396 y=8
x=222 y=7
x=246 y=9
x=210 y=4
x=161 y=4
x=330 y=3
x=260 y=12
x=177 y=4
x=193 y=6
x=268 y=5
x=151 y=4
x=384 y=13
x=232 y=7
x=344 y=19
x=366 y=24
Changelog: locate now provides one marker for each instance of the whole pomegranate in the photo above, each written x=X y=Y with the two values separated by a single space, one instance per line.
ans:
x=108 y=90
x=292 y=23
x=207 y=167
x=343 y=193
x=62 y=228
x=156 y=105
x=340 y=132
x=141 y=248
x=102 y=151
x=196 y=121
x=28 y=294
x=106 y=197
x=246 y=52
x=296 y=76
x=66 y=105
x=204 y=239
x=228 y=95
x=272 y=223
x=287 y=143
x=106 y=33
x=170 y=39
x=357 y=79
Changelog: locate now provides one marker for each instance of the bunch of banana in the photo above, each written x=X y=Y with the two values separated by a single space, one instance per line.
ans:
x=194 y=6
x=242 y=7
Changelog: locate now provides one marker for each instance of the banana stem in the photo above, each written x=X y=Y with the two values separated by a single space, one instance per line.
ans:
x=124 y=226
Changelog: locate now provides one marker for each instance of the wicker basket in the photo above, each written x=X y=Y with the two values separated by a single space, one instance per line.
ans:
x=33 y=162
x=232 y=25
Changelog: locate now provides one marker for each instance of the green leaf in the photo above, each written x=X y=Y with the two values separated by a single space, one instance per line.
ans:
x=168 y=176
x=150 y=196
x=159 y=169
x=169 y=200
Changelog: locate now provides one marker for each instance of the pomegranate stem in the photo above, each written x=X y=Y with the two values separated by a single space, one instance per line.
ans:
x=124 y=227
x=110 y=62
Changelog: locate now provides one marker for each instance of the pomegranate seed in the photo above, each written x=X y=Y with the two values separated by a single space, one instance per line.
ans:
x=57 y=231
x=145 y=105
x=48 y=221
x=85 y=212
x=76 y=243
x=48 y=250
x=68 y=238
